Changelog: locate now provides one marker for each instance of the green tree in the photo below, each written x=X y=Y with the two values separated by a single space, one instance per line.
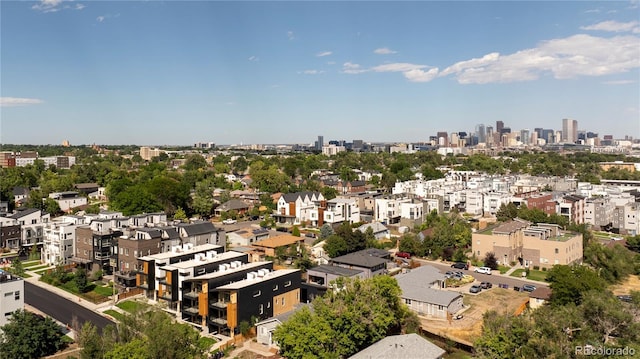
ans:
x=507 y=212
x=51 y=206
x=325 y=231
x=28 y=335
x=81 y=280
x=17 y=267
x=295 y=231
x=491 y=261
x=203 y=198
x=570 y=283
x=180 y=215
x=90 y=341
x=135 y=349
x=194 y=162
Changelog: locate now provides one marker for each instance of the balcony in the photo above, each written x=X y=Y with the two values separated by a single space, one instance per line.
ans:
x=190 y=310
x=219 y=321
x=101 y=256
x=219 y=305
x=191 y=294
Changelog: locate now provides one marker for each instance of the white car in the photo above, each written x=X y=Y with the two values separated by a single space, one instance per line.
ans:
x=229 y=221
x=485 y=270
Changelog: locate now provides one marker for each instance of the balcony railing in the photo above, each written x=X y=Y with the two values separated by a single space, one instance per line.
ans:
x=220 y=321
x=191 y=310
x=191 y=294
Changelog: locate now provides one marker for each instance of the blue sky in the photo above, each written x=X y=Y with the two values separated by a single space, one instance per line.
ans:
x=129 y=72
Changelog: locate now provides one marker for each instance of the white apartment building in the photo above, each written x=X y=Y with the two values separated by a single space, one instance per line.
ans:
x=11 y=295
x=338 y=210
x=493 y=200
x=387 y=210
x=59 y=242
x=332 y=150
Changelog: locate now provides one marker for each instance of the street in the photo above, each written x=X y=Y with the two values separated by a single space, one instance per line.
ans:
x=60 y=308
x=494 y=279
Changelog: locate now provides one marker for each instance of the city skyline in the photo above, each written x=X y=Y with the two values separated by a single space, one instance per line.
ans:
x=284 y=72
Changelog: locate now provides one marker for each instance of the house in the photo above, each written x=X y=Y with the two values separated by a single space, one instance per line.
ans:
x=539 y=297
x=247 y=236
x=296 y=208
x=379 y=230
x=11 y=295
x=367 y=261
x=324 y=274
x=20 y=195
x=59 y=241
x=199 y=233
x=521 y=241
x=68 y=200
x=345 y=187
x=406 y=346
x=270 y=246
x=87 y=188
x=422 y=292
x=10 y=233
x=265 y=328
x=241 y=207
x=263 y=294
x=387 y=209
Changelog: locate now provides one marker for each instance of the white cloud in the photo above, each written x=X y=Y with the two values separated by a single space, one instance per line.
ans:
x=397 y=67
x=291 y=35
x=17 y=101
x=384 y=51
x=577 y=55
x=47 y=6
x=619 y=82
x=253 y=58
x=324 y=53
x=592 y=11
x=613 y=26
x=331 y=62
x=418 y=75
x=311 y=72
x=351 y=68
x=100 y=18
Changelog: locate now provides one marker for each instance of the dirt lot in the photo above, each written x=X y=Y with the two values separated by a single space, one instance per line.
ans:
x=467 y=329
x=631 y=284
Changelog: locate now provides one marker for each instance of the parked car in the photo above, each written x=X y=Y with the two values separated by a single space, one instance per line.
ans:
x=625 y=298
x=229 y=221
x=476 y=288
x=483 y=270
x=403 y=254
x=486 y=285
x=528 y=288
x=449 y=274
x=460 y=265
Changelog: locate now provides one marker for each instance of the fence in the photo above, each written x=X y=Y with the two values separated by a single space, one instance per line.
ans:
x=131 y=293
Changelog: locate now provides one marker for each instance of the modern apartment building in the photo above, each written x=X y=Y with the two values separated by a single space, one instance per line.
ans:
x=59 y=241
x=32 y=222
x=96 y=245
x=132 y=245
x=263 y=294
x=533 y=245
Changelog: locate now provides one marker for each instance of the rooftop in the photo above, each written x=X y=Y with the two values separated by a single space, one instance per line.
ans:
x=407 y=346
x=249 y=282
x=278 y=241
x=221 y=273
x=203 y=260
x=182 y=251
x=335 y=270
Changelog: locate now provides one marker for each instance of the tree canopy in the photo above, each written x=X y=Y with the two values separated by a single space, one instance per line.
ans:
x=28 y=335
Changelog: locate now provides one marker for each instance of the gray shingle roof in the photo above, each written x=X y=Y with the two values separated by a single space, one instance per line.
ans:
x=406 y=346
x=195 y=229
x=233 y=204
x=24 y=212
x=416 y=285
x=340 y=271
x=359 y=259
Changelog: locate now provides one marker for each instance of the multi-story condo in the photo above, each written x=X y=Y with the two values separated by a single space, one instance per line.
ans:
x=493 y=201
x=572 y=207
x=626 y=218
x=263 y=294
x=598 y=212
x=296 y=208
x=59 y=241
x=387 y=209
x=200 y=304
x=338 y=210
x=200 y=233
x=96 y=245
x=149 y=272
x=518 y=240
x=32 y=222
x=171 y=277
x=10 y=233
x=132 y=245
x=68 y=200
x=11 y=295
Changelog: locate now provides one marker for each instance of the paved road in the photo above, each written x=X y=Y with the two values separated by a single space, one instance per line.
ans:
x=494 y=279
x=61 y=308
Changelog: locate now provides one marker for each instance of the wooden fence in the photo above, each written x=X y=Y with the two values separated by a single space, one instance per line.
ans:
x=131 y=293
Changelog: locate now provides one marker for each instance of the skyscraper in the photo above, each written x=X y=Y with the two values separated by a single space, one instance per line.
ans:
x=569 y=130
x=320 y=143
x=480 y=132
x=499 y=126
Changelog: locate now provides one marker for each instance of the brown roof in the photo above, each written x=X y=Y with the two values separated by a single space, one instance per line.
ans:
x=541 y=293
x=512 y=226
x=278 y=241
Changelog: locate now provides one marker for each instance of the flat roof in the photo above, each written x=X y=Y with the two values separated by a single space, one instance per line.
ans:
x=249 y=282
x=217 y=274
x=167 y=255
x=196 y=262
x=340 y=271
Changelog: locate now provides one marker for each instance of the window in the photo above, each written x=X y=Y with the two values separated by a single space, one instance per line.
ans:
x=275 y=287
x=135 y=253
x=8 y=294
x=283 y=302
x=126 y=252
x=287 y=283
x=126 y=265
x=257 y=293
x=121 y=251
x=556 y=250
x=407 y=301
x=261 y=309
x=268 y=305
x=17 y=295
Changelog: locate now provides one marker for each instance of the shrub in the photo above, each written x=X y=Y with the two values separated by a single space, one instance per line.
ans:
x=536 y=267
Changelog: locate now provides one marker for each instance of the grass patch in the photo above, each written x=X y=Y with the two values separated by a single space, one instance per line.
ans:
x=131 y=306
x=206 y=342
x=31 y=263
x=103 y=291
x=40 y=271
x=533 y=274
x=35 y=268
x=503 y=269
x=117 y=315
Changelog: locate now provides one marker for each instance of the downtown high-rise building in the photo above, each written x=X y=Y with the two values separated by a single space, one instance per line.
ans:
x=319 y=143
x=481 y=133
x=569 y=130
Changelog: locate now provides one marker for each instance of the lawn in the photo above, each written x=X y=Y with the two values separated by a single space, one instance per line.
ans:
x=503 y=269
x=131 y=306
x=117 y=315
x=104 y=291
x=533 y=274
x=35 y=268
x=206 y=342
x=31 y=263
